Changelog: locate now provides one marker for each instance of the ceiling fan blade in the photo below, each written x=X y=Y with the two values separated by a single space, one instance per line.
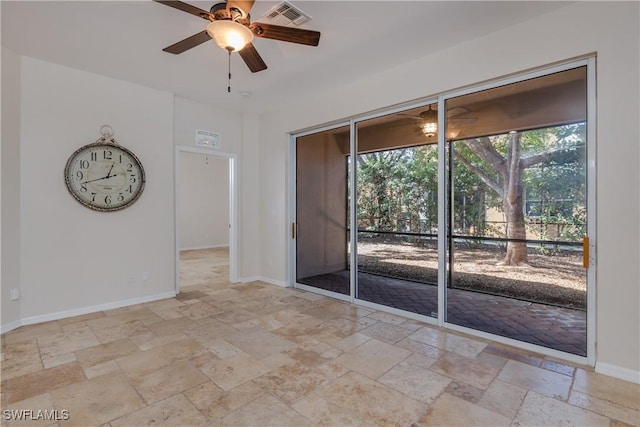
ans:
x=188 y=8
x=252 y=58
x=286 y=34
x=188 y=43
x=244 y=5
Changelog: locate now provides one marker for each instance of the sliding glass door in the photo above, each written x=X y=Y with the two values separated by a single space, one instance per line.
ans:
x=517 y=211
x=321 y=228
x=472 y=211
x=397 y=211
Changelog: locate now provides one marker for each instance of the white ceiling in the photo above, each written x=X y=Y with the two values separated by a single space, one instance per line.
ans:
x=124 y=40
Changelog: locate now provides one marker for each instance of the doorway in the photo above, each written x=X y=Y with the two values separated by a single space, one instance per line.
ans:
x=206 y=239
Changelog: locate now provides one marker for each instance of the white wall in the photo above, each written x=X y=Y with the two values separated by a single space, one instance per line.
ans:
x=10 y=185
x=203 y=201
x=73 y=258
x=608 y=28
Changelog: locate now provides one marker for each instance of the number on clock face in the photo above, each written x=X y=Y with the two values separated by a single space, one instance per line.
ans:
x=104 y=177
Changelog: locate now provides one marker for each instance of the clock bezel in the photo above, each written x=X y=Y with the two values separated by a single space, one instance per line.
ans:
x=114 y=145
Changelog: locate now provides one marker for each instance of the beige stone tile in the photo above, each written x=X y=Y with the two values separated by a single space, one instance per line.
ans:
x=605 y=407
x=172 y=327
x=513 y=354
x=121 y=330
x=174 y=411
x=448 y=341
x=386 y=332
x=167 y=381
x=265 y=411
x=313 y=352
x=29 y=332
x=465 y=391
x=97 y=401
x=34 y=404
x=215 y=404
x=150 y=340
x=144 y=362
x=352 y=341
x=331 y=370
x=371 y=401
x=540 y=410
x=324 y=413
x=235 y=315
x=415 y=382
x=387 y=318
x=491 y=359
x=105 y=368
x=21 y=358
x=132 y=313
x=372 y=358
x=608 y=388
x=536 y=379
x=198 y=310
x=231 y=372
x=222 y=349
x=503 y=398
x=452 y=411
x=290 y=382
x=163 y=304
x=26 y=386
x=421 y=361
x=104 y=352
x=561 y=368
x=466 y=370
x=50 y=362
x=259 y=343
x=82 y=319
x=420 y=348
x=67 y=342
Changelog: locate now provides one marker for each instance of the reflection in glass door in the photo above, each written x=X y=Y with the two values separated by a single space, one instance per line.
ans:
x=321 y=228
x=517 y=212
x=397 y=211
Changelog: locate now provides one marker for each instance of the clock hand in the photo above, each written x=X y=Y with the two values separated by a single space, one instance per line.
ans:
x=110 y=169
x=104 y=177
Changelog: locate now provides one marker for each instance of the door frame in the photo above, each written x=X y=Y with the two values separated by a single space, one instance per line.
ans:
x=232 y=159
x=590 y=62
x=443 y=206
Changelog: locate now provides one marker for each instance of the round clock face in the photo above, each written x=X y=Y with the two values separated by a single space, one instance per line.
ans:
x=104 y=177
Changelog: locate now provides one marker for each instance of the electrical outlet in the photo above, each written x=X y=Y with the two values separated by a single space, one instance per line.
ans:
x=14 y=294
x=145 y=276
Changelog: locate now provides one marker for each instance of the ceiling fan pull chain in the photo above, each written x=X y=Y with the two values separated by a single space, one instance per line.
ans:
x=229 y=86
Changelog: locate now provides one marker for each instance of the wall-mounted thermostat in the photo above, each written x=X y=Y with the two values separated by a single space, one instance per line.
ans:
x=205 y=138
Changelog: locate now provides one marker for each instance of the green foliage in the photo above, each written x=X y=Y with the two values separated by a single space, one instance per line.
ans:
x=397 y=190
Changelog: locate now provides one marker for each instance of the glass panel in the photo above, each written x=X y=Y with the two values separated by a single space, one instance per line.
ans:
x=397 y=210
x=517 y=212
x=321 y=210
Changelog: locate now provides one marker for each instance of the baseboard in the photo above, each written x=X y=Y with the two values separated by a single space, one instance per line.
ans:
x=10 y=326
x=198 y=248
x=86 y=310
x=263 y=279
x=618 y=372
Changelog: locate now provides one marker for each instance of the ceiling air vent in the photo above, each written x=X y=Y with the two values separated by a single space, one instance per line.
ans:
x=286 y=14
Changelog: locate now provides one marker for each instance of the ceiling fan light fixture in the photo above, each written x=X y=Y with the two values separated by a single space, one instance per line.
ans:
x=429 y=122
x=230 y=35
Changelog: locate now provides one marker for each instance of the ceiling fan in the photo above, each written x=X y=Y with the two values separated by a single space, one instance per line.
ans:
x=428 y=119
x=231 y=28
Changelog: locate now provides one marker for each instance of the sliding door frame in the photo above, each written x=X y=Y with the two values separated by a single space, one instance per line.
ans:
x=590 y=62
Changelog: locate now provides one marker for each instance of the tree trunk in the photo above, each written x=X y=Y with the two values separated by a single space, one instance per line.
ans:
x=513 y=205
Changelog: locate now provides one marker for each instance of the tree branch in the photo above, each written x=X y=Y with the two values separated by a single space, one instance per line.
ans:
x=562 y=155
x=493 y=184
x=483 y=148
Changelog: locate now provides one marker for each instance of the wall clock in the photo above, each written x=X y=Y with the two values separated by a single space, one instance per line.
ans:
x=104 y=176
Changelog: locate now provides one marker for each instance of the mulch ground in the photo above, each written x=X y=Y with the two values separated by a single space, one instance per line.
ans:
x=550 y=278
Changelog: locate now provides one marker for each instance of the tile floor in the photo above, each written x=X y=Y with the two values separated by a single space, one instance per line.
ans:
x=259 y=355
